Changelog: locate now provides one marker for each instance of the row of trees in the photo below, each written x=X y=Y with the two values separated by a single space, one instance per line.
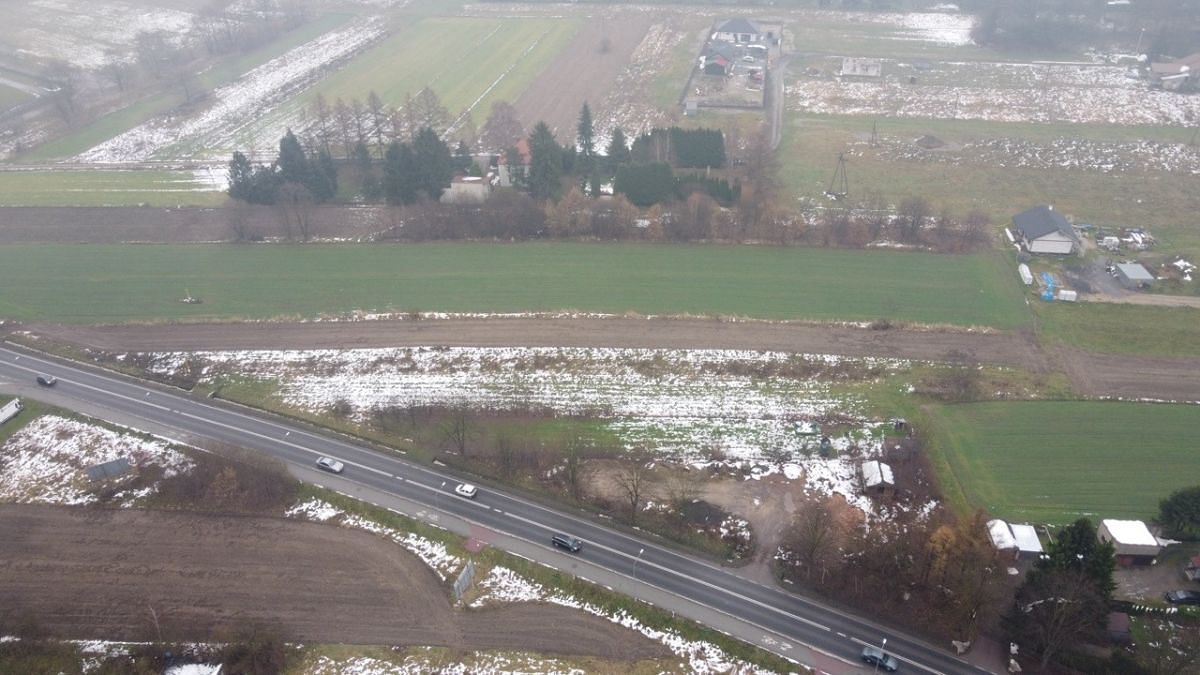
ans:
x=295 y=176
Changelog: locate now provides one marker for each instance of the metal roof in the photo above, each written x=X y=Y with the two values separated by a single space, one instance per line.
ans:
x=738 y=25
x=1042 y=220
x=1135 y=272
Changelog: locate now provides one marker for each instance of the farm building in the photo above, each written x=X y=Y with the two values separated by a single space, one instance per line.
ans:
x=739 y=31
x=1019 y=541
x=878 y=477
x=1133 y=275
x=1176 y=75
x=1044 y=230
x=1132 y=541
x=467 y=190
x=860 y=67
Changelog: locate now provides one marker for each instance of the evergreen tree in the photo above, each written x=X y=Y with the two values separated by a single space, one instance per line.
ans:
x=434 y=165
x=241 y=178
x=323 y=181
x=618 y=151
x=586 y=141
x=1077 y=549
x=399 y=174
x=292 y=162
x=1180 y=512
x=546 y=163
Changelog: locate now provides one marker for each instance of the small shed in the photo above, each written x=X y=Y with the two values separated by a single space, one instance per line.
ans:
x=1119 y=628
x=861 y=67
x=1028 y=543
x=878 y=477
x=1192 y=569
x=1002 y=537
x=1134 y=275
x=1132 y=541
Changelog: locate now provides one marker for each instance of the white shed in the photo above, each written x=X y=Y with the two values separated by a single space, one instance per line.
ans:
x=1132 y=541
x=1002 y=538
x=1028 y=544
x=877 y=475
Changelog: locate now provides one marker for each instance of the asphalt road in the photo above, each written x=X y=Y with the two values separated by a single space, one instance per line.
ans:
x=796 y=618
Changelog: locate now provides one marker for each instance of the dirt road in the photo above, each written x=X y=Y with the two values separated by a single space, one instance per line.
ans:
x=88 y=573
x=1125 y=376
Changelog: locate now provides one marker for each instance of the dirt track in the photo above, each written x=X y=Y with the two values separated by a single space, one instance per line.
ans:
x=1091 y=374
x=87 y=573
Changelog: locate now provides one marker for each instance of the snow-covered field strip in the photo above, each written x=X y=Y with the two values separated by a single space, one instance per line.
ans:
x=44 y=462
x=681 y=402
x=502 y=585
x=91 y=34
x=219 y=129
x=627 y=105
x=1002 y=92
x=1061 y=153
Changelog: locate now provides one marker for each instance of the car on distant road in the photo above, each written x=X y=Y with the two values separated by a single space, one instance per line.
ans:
x=1183 y=597
x=47 y=380
x=466 y=490
x=330 y=464
x=880 y=659
x=567 y=542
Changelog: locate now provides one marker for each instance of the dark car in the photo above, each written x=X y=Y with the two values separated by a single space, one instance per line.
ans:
x=881 y=659
x=47 y=380
x=1183 y=597
x=569 y=543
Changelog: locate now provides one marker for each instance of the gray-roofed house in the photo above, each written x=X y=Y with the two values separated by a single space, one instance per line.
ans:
x=1133 y=275
x=739 y=31
x=1044 y=230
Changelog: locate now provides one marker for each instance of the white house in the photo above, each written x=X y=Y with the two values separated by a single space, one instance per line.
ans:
x=467 y=189
x=1132 y=541
x=1044 y=230
x=739 y=31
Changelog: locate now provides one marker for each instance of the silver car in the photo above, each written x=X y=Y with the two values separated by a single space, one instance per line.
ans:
x=880 y=659
x=330 y=464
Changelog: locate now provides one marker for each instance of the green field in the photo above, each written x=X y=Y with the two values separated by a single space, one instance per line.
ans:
x=1054 y=461
x=10 y=96
x=105 y=188
x=1121 y=329
x=224 y=71
x=1164 y=202
x=140 y=283
x=465 y=60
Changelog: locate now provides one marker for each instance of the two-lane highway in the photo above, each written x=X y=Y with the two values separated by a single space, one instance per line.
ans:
x=774 y=610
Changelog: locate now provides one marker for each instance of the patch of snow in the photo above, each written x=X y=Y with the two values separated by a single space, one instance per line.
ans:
x=45 y=461
x=220 y=128
x=503 y=585
x=194 y=669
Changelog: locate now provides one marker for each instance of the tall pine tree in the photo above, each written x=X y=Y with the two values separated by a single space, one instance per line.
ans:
x=586 y=141
x=546 y=163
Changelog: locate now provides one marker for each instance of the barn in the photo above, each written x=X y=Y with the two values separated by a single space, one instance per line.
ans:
x=1133 y=275
x=1132 y=541
x=1044 y=230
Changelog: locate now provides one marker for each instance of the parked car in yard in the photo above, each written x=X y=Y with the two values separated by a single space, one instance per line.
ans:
x=880 y=659
x=330 y=464
x=1183 y=597
x=466 y=490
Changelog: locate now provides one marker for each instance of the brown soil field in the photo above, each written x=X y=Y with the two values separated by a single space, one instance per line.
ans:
x=1090 y=374
x=582 y=72
x=94 y=573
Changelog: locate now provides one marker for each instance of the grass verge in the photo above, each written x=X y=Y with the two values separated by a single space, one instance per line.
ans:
x=1121 y=329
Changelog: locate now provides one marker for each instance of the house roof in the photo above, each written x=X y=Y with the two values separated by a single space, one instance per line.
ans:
x=522 y=146
x=1135 y=272
x=1040 y=221
x=717 y=59
x=1026 y=538
x=739 y=25
x=1130 y=532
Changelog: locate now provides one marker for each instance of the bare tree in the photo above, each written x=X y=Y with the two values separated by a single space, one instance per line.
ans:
x=914 y=212
x=379 y=121
x=459 y=428
x=66 y=90
x=322 y=128
x=343 y=118
x=238 y=214
x=573 y=467
x=1055 y=610
x=682 y=488
x=502 y=129
x=813 y=539
x=295 y=204
x=359 y=122
x=428 y=111
x=506 y=452
x=632 y=480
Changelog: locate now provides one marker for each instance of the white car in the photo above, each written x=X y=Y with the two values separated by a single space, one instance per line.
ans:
x=466 y=490
x=330 y=464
